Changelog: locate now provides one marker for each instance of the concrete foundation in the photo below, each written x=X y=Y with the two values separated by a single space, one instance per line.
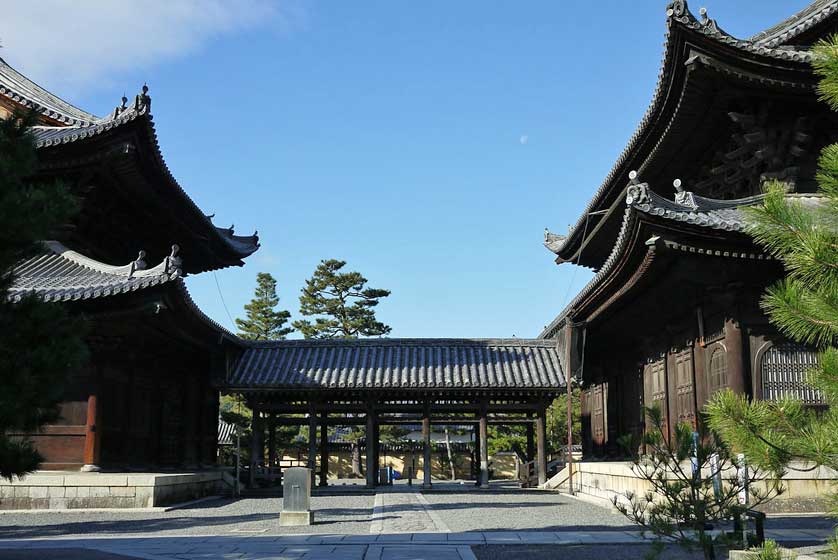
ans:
x=80 y=490
x=295 y=518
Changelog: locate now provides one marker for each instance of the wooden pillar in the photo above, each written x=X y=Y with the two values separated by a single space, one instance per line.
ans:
x=426 y=447
x=484 y=447
x=92 y=437
x=530 y=440
x=475 y=456
x=271 y=447
x=370 y=437
x=541 y=433
x=255 y=445
x=324 y=449
x=735 y=358
x=377 y=447
x=312 y=443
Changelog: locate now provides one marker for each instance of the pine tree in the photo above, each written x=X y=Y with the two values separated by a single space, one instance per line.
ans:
x=39 y=342
x=803 y=306
x=263 y=321
x=345 y=306
x=692 y=482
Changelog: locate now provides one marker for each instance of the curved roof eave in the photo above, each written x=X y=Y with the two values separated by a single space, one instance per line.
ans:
x=23 y=91
x=698 y=213
x=47 y=137
x=681 y=26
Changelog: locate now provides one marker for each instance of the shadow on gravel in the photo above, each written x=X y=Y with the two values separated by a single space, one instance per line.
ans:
x=171 y=522
x=579 y=552
x=61 y=554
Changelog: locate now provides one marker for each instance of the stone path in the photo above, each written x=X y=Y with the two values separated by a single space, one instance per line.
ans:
x=381 y=546
x=404 y=512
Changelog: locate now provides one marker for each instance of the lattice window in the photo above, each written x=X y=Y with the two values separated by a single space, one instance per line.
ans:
x=784 y=371
x=718 y=369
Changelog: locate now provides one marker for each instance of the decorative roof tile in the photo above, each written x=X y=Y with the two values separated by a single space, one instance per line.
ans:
x=399 y=363
x=59 y=274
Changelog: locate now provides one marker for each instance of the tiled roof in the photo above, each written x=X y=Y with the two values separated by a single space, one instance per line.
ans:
x=697 y=210
x=59 y=274
x=24 y=91
x=399 y=363
x=687 y=208
x=47 y=136
x=786 y=31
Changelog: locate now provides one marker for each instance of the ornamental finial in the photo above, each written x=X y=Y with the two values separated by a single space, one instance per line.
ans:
x=633 y=177
x=143 y=100
x=138 y=264
x=677 y=8
x=677 y=184
x=124 y=103
x=173 y=261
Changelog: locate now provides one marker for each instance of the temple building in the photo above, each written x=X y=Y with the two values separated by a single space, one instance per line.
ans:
x=147 y=401
x=672 y=314
x=148 y=397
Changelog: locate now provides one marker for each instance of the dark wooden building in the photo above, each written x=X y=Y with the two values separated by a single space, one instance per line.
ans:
x=148 y=397
x=672 y=314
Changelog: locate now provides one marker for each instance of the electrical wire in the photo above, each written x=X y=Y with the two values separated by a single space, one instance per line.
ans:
x=223 y=303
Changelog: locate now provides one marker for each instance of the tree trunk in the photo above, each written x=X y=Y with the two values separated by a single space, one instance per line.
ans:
x=450 y=458
x=356 y=460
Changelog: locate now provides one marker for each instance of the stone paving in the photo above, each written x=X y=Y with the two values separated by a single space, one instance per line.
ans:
x=383 y=546
x=396 y=524
x=404 y=512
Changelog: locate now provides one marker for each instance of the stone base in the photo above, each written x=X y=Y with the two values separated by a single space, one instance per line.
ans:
x=295 y=518
x=805 y=490
x=74 y=490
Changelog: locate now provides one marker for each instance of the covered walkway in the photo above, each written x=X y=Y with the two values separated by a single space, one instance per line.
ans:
x=375 y=382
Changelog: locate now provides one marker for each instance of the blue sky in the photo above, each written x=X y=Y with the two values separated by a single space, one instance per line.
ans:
x=426 y=143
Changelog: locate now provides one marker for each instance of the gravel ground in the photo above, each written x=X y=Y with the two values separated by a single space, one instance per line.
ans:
x=579 y=552
x=345 y=514
x=497 y=510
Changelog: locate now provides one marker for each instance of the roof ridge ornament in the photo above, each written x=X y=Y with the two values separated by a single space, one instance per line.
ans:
x=682 y=197
x=138 y=264
x=706 y=21
x=142 y=102
x=677 y=8
x=637 y=192
x=173 y=261
x=120 y=108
